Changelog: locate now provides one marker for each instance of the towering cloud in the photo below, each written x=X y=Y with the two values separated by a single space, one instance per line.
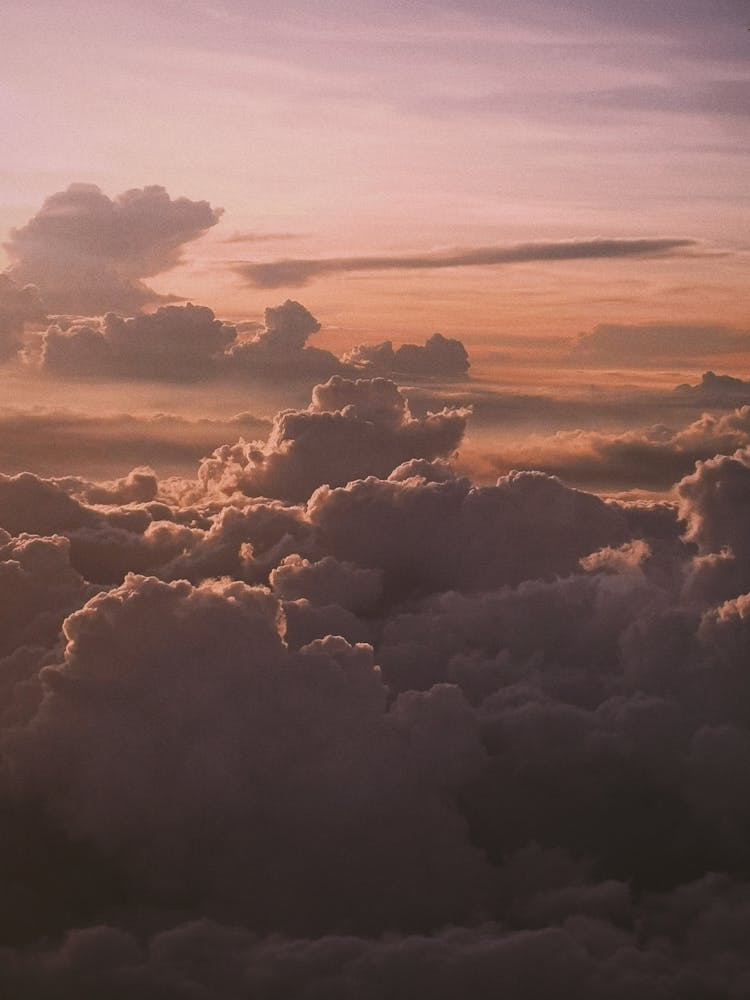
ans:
x=88 y=253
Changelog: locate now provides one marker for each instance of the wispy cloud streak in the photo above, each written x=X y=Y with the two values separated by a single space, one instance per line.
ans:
x=296 y=272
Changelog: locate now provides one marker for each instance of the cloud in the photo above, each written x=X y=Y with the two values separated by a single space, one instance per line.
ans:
x=143 y=675
x=18 y=306
x=88 y=253
x=649 y=457
x=532 y=772
x=716 y=390
x=294 y=273
x=440 y=356
x=60 y=442
x=175 y=342
x=612 y=344
x=188 y=343
x=351 y=429
x=255 y=237
x=279 y=348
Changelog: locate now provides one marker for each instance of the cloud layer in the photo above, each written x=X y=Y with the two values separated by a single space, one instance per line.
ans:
x=379 y=727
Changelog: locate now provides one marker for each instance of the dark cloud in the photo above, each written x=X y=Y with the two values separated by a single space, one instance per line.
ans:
x=716 y=390
x=407 y=737
x=18 y=306
x=88 y=253
x=294 y=273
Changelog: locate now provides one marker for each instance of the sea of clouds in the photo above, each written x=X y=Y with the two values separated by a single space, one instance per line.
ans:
x=327 y=719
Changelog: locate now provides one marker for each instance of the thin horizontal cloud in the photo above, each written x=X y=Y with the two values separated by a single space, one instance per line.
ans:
x=253 y=237
x=296 y=272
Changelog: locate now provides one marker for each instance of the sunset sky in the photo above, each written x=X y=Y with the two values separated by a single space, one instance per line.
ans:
x=375 y=500
x=332 y=130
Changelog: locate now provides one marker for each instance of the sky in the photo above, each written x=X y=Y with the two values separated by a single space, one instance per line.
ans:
x=327 y=131
x=374 y=492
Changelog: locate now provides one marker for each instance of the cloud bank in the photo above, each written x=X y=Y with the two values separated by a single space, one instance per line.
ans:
x=376 y=729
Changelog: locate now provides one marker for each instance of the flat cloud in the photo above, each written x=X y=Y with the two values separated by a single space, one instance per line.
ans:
x=88 y=253
x=611 y=343
x=59 y=442
x=297 y=272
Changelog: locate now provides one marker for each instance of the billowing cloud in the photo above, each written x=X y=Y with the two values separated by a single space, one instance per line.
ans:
x=351 y=429
x=175 y=342
x=88 y=253
x=407 y=734
x=293 y=273
x=440 y=356
x=18 y=306
x=279 y=348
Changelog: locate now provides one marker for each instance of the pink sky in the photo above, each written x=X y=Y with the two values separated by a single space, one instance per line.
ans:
x=408 y=129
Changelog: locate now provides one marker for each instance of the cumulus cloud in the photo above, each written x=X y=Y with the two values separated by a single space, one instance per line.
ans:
x=351 y=429
x=18 y=306
x=88 y=253
x=296 y=272
x=279 y=348
x=188 y=343
x=440 y=355
x=530 y=777
x=175 y=342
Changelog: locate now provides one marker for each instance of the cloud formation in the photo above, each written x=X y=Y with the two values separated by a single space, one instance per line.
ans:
x=351 y=429
x=406 y=733
x=293 y=273
x=175 y=342
x=279 y=348
x=440 y=356
x=88 y=253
